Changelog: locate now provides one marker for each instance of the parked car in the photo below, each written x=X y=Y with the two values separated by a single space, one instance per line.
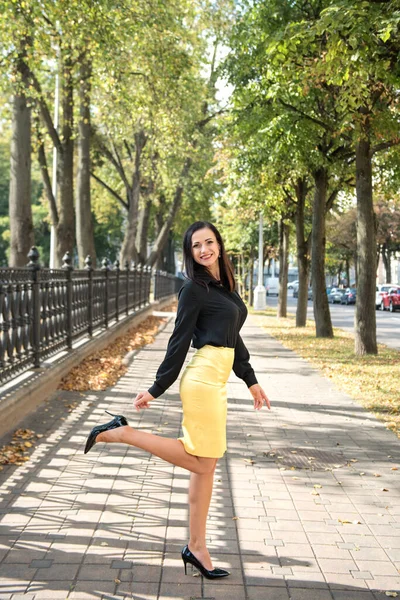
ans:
x=391 y=299
x=349 y=297
x=272 y=286
x=380 y=291
x=296 y=293
x=335 y=297
x=292 y=284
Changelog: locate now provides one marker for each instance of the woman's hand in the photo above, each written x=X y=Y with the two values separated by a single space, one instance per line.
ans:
x=143 y=400
x=259 y=396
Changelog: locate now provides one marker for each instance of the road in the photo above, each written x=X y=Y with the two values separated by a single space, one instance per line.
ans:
x=387 y=324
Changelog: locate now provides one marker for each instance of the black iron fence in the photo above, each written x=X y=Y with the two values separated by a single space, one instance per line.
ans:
x=42 y=311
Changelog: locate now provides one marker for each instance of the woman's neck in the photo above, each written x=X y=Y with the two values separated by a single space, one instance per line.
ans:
x=214 y=272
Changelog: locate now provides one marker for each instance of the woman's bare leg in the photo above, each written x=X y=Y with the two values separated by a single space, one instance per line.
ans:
x=171 y=450
x=200 y=492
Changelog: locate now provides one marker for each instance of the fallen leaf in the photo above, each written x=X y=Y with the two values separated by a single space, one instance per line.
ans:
x=117 y=580
x=344 y=521
x=235 y=518
x=317 y=486
x=377 y=475
x=394 y=469
x=391 y=594
x=384 y=490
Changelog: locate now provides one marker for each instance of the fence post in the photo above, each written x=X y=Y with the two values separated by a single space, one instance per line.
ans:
x=67 y=266
x=89 y=269
x=148 y=284
x=133 y=265
x=105 y=268
x=139 y=283
x=116 y=267
x=156 y=284
x=34 y=266
x=127 y=287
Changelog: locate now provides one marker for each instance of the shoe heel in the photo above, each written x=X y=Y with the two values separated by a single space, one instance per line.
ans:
x=185 y=565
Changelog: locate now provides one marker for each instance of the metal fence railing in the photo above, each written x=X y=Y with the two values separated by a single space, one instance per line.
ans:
x=43 y=311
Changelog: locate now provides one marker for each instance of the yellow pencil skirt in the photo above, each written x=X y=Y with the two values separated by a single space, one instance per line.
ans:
x=204 y=401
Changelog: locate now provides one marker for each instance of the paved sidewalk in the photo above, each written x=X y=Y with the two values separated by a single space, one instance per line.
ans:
x=306 y=503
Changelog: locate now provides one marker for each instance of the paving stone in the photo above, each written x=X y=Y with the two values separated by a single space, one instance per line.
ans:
x=361 y=575
x=41 y=563
x=258 y=593
x=378 y=568
x=301 y=594
x=353 y=595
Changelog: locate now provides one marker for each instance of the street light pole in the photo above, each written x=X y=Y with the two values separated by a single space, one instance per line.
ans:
x=260 y=302
x=54 y=174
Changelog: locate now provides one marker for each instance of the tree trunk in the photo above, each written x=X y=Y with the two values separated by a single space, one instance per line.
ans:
x=284 y=232
x=243 y=275
x=65 y=228
x=143 y=230
x=338 y=274
x=251 y=277
x=176 y=203
x=128 y=248
x=323 y=323
x=84 y=220
x=386 y=263
x=355 y=258
x=348 y=272
x=20 y=211
x=365 y=317
x=303 y=260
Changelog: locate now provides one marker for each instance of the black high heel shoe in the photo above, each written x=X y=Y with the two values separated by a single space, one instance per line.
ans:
x=118 y=421
x=190 y=558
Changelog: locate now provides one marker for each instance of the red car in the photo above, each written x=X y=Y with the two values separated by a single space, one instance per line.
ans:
x=391 y=299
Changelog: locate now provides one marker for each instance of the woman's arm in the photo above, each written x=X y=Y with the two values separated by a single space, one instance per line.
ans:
x=189 y=306
x=241 y=364
x=243 y=369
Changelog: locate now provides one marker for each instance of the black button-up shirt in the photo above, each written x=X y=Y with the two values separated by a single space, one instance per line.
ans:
x=206 y=315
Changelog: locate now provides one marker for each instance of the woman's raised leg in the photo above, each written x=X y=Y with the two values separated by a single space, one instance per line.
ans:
x=169 y=449
x=200 y=492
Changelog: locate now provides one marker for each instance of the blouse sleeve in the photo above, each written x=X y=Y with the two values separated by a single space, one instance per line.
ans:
x=189 y=305
x=241 y=365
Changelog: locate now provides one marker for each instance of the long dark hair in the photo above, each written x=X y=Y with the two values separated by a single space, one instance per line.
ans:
x=196 y=272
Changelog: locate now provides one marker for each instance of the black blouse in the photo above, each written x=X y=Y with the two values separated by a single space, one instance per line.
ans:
x=212 y=316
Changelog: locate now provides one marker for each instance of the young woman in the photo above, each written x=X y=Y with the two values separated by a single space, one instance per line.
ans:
x=210 y=315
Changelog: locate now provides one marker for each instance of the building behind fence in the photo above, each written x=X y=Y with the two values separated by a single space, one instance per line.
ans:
x=43 y=311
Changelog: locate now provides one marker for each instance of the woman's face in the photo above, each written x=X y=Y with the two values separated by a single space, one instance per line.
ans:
x=205 y=248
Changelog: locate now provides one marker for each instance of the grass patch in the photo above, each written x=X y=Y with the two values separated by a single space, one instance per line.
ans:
x=373 y=381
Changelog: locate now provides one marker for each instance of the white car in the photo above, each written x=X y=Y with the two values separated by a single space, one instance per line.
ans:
x=293 y=284
x=380 y=290
x=272 y=286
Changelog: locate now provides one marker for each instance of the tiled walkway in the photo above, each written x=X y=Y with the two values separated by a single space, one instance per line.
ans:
x=306 y=503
